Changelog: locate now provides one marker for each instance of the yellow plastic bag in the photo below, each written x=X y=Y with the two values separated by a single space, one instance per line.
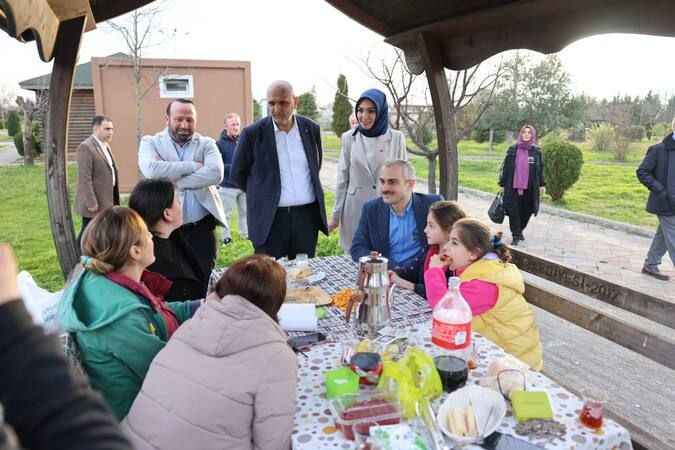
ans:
x=411 y=378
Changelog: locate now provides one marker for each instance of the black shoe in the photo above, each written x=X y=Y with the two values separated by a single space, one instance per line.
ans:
x=653 y=271
x=522 y=237
x=227 y=241
x=514 y=242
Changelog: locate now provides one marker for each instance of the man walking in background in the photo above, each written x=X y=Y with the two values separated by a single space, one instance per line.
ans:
x=657 y=172
x=230 y=194
x=97 y=180
x=277 y=163
x=193 y=163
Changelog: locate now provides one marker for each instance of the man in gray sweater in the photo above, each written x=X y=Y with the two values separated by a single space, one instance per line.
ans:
x=193 y=163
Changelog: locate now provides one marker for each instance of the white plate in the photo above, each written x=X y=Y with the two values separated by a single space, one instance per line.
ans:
x=483 y=400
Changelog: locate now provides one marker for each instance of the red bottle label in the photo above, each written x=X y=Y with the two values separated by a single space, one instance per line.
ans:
x=451 y=336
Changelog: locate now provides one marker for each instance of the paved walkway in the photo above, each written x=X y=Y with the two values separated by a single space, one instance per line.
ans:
x=8 y=154
x=611 y=254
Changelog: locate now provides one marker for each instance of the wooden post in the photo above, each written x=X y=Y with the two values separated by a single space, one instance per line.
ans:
x=432 y=56
x=60 y=89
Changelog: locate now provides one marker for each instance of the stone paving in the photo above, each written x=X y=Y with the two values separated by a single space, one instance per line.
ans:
x=8 y=153
x=611 y=254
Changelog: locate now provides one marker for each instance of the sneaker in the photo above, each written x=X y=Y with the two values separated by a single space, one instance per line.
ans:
x=654 y=271
x=227 y=241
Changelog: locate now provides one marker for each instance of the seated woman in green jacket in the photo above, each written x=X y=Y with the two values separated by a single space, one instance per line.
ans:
x=116 y=309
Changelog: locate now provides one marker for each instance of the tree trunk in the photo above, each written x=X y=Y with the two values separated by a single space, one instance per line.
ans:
x=27 y=139
x=446 y=129
x=431 y=159
x=492 y=139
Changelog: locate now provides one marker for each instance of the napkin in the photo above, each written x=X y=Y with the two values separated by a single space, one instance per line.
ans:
x=531 y=405
x=298 y=317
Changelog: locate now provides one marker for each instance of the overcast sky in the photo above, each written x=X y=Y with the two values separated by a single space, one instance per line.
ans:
x=310 y=43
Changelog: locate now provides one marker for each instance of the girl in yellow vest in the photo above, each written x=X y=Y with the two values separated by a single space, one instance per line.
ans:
x=493 y=288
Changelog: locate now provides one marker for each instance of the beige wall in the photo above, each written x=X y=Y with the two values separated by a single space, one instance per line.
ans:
x=219 y=87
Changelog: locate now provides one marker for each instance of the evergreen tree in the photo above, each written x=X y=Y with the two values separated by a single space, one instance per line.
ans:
x=307 y=105
x=342 y=108
x=13 y=123
x=257 y=110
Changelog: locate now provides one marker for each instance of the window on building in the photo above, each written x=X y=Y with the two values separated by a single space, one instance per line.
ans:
x=176 y=86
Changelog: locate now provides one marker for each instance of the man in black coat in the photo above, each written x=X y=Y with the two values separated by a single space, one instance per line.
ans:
x=657 y=172
x=277 y=163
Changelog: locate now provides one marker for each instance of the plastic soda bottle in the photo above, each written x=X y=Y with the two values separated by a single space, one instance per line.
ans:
x=451 y=328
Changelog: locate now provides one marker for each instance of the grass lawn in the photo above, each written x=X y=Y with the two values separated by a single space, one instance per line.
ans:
x=606 y=189
x=25 y=225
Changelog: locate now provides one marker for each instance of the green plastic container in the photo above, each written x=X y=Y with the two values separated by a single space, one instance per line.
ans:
x=341 y=382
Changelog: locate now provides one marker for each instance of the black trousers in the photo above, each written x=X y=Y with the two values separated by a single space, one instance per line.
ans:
x=521 y=211
x=85 y=222
x=201 y=237
x=295 y=230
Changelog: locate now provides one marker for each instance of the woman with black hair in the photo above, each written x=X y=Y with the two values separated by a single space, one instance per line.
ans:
x=155 y=201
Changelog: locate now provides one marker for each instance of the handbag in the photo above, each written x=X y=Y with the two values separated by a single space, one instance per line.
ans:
x=496 y=209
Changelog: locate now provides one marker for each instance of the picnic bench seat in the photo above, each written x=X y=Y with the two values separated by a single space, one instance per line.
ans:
x=641 y=391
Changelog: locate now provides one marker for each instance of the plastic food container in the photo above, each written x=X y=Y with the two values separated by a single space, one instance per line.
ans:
x=341 y=381
x=358 y=412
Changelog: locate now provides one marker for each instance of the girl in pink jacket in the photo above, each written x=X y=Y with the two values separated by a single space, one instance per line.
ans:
x=442 y=215
x=456 y=256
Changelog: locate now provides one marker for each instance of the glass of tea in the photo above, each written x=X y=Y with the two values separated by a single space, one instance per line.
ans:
x=592 y=412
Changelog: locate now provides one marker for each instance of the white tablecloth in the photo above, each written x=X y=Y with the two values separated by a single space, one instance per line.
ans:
x=315 y=426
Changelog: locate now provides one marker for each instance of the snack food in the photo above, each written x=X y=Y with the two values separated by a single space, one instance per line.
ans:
x=300 y=273
x=462 y=422
x=341 y=298
x=362 y=415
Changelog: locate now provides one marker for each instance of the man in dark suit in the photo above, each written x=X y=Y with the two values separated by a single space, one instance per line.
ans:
x=393 y=225
x=277 y=163
x=97 y=180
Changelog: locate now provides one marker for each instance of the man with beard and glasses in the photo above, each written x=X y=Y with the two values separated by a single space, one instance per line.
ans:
x=393 y=224
x=193 y=163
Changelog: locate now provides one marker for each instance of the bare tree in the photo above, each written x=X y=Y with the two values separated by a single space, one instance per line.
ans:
x=141 y=29
x=7 y=98
x=467 y=87
x=31 y=111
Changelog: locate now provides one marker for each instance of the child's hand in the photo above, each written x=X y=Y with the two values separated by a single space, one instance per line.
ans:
x=9 y=289
x=400 y=282
x=437 y=261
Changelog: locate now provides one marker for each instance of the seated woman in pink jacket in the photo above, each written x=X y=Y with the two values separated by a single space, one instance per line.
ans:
x=491 y=285
x=226 y=379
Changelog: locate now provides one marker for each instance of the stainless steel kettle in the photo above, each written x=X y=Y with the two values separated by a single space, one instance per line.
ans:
x=370 y=310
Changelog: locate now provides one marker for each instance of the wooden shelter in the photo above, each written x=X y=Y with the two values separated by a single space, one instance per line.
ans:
x=433 y=34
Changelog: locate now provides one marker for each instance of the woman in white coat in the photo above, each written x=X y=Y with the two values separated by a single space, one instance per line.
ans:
x=364 y=150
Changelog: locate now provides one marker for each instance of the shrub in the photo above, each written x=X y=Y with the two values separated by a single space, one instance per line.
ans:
x=37 y=140
x=2 y=124
x=621 y=145
x=577 y=134
x=633 y=133
x=13 y=123
x=562 y=167
x=602 y=137
x=552 y=136
x=660 y=130
x=481 y=135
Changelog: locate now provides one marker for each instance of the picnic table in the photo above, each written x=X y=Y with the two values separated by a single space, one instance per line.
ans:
x=315 y=426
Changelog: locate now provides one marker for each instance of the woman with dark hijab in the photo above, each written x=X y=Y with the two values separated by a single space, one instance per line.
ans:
x=364 y=150
x=522 y=178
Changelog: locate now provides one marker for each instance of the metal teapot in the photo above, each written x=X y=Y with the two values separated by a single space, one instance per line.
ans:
x=370 y=309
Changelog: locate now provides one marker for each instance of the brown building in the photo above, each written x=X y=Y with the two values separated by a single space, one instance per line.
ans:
x=105 y=86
